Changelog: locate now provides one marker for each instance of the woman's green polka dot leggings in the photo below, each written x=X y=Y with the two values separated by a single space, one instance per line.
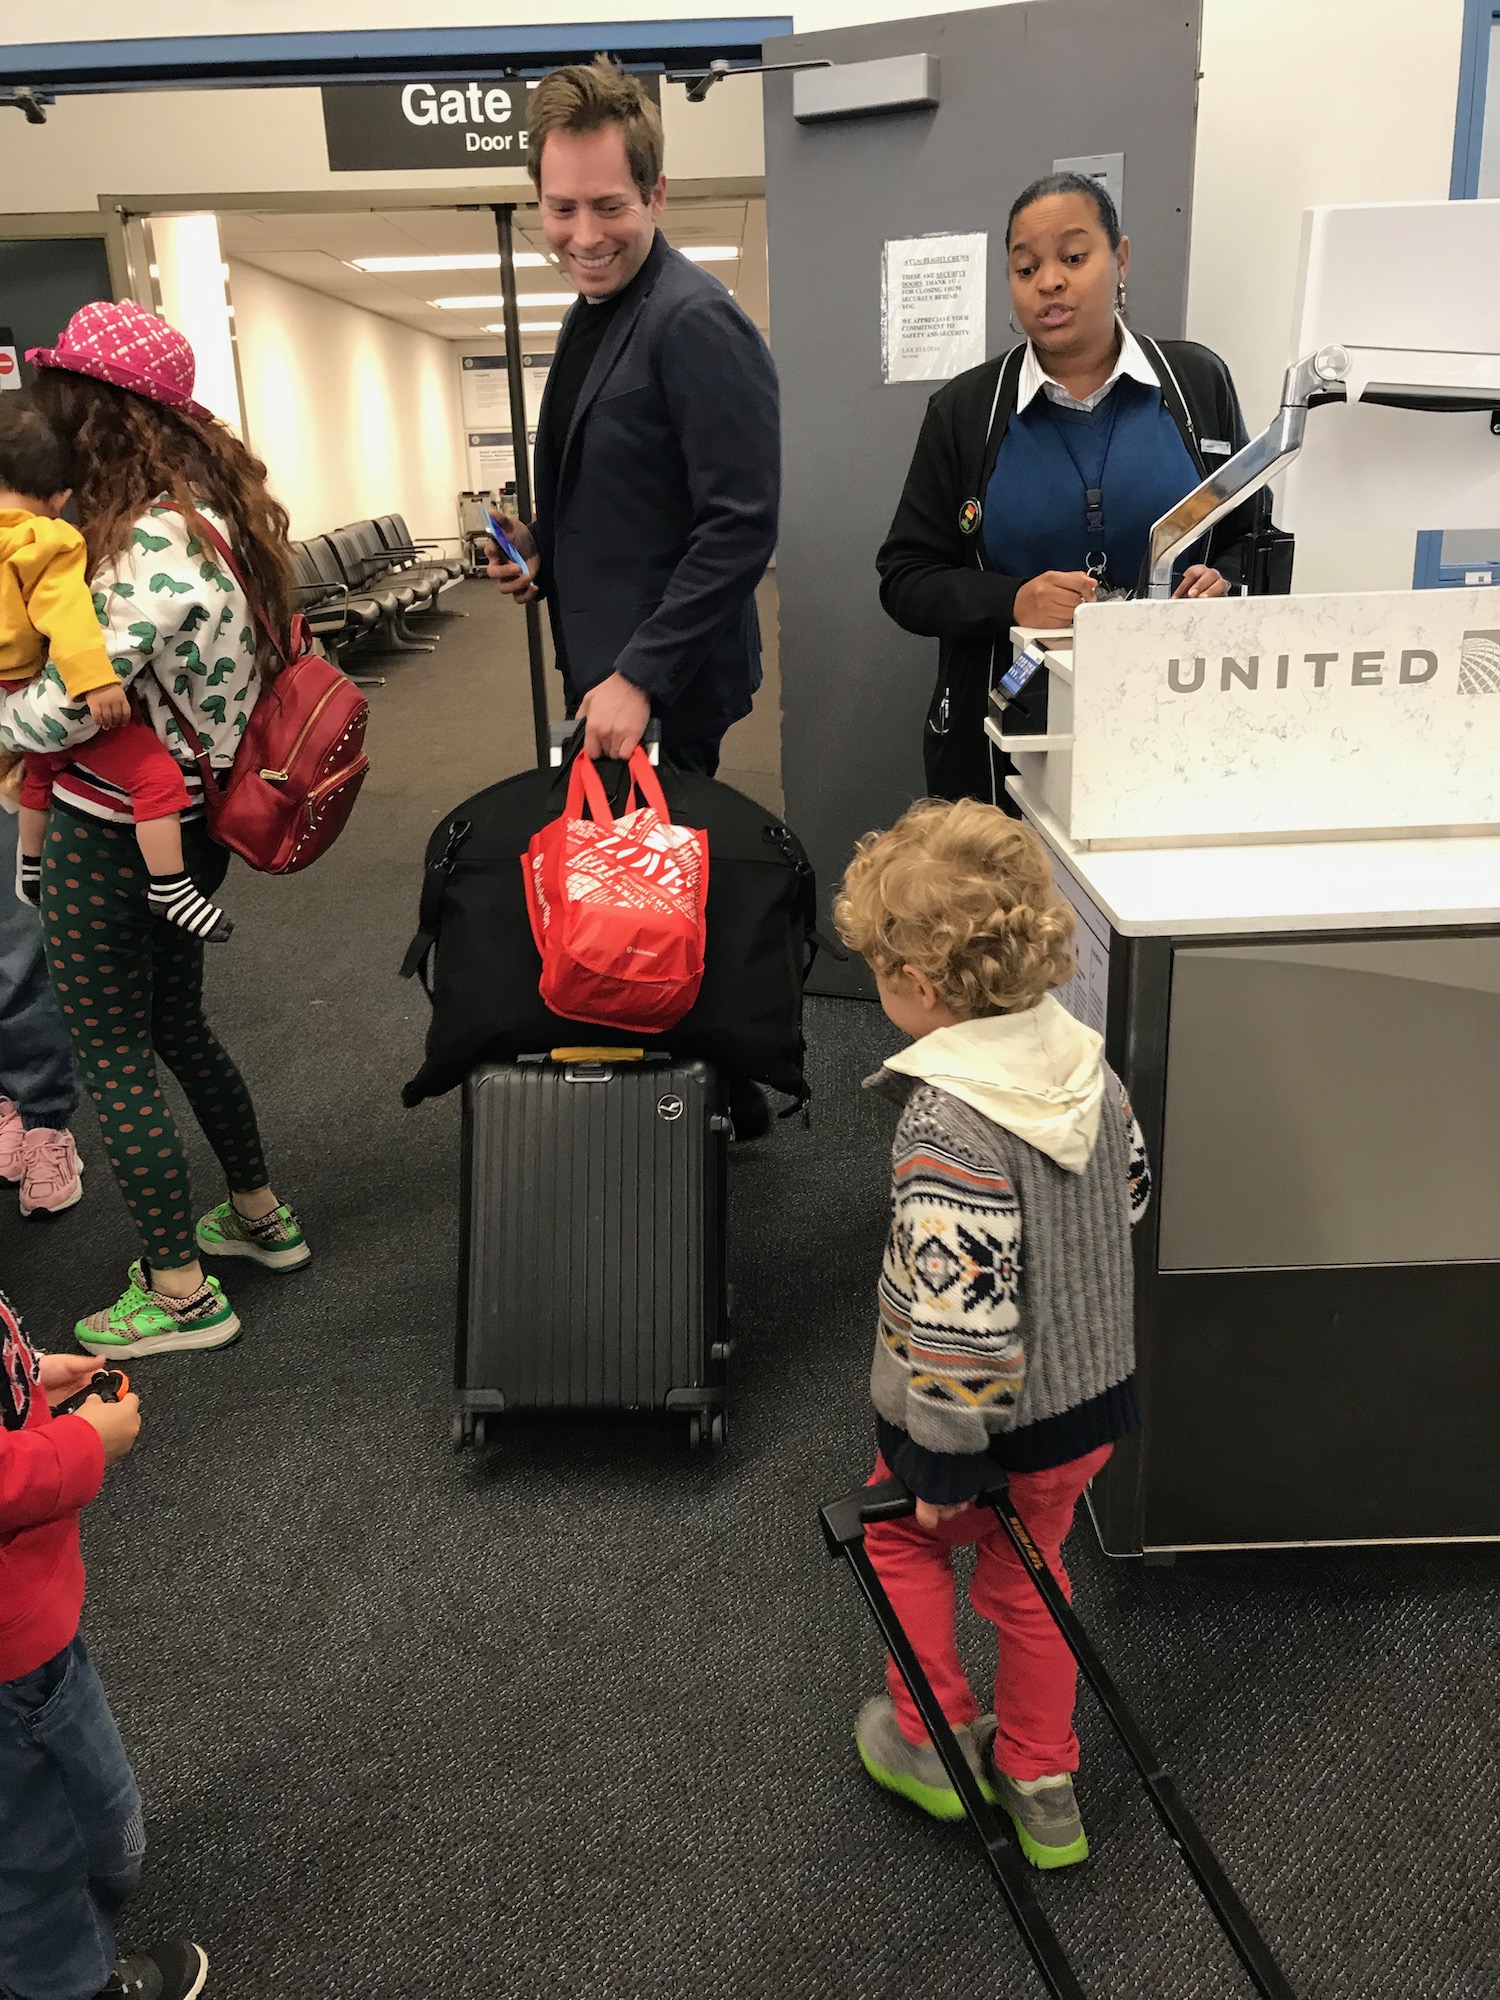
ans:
x=131 y=989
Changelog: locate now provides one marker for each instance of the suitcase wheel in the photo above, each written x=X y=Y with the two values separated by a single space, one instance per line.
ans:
x=703 y=1429
x=468 y=1429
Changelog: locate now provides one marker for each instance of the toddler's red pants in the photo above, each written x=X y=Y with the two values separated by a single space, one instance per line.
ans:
x=1036 y=1682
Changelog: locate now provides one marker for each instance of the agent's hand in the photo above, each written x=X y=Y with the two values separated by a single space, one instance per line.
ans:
x=616 y=713
x=930 y=1515
x=109 y=706
x=1200 y=581
x=1049 y=600
x=63 y=1375
x=516 y=583
x=118 y=1424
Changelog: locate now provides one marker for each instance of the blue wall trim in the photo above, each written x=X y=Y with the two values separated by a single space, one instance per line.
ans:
x=372 y=54
x=1473 y=75
x=1480 y=17
x=1429 y=570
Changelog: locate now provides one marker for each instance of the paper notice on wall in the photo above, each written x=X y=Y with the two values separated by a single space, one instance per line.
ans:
x=492 y=463
x=486 y=390
x=932 y=307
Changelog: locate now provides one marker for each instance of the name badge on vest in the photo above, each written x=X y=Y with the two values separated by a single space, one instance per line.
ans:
x=969 y=517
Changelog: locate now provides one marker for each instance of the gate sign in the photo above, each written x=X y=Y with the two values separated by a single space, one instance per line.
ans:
x=10 y=362
x=441 y=123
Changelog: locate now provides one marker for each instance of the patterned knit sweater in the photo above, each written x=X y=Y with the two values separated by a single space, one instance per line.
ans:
x=992 y=1346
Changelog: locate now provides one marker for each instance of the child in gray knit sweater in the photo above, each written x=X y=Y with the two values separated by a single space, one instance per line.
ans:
x=1005 y=1308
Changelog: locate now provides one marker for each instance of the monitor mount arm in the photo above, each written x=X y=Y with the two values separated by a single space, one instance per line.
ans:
x=1318 y=378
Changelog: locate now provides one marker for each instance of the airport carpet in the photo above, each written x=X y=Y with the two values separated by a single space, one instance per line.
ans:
x=572 y=1716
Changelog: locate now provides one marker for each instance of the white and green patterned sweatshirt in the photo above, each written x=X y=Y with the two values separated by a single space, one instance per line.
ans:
x=170 y=613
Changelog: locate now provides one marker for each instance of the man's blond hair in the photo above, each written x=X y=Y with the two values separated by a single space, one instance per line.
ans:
x=585 y=97
x=963 y=894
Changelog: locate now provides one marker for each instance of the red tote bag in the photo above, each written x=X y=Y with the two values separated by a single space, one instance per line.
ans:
x=617 y=905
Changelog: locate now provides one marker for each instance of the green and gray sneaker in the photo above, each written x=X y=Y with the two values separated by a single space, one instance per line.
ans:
x=276 y=1241
x=143 y=1321
x=1045 y=1816
x=1043 y=1812
x=913 y=1770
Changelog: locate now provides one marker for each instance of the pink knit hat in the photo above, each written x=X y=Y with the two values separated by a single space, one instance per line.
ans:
x=124 y=344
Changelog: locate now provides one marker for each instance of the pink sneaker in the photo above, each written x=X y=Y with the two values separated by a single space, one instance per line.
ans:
x=52 y=1177
x=12 y=1131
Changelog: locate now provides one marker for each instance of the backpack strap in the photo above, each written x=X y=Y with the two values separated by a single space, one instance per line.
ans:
x=190 y=737
x=227 y=557
x=430 y=915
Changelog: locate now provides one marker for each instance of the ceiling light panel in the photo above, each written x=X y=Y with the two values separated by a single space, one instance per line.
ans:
x=708 y=253
x=475 y=260
x=529 y=326
x=490 y=301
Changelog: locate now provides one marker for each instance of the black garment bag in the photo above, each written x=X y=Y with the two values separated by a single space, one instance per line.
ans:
x=844 y=1523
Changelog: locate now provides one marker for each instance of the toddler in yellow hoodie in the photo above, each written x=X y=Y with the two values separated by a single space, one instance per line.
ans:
x=47 y=613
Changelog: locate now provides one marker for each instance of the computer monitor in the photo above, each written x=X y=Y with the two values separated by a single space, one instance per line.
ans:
x=1411 y=291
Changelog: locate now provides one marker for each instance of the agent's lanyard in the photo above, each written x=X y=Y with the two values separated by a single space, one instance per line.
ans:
x=1096 y=560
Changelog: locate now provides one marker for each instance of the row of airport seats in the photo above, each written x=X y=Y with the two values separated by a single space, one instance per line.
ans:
x=360 y=585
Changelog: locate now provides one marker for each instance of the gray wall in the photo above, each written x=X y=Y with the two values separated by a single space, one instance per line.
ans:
x=43 y=282
x=1021 y=85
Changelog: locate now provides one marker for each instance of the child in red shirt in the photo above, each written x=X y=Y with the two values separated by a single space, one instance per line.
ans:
x=71 y=1832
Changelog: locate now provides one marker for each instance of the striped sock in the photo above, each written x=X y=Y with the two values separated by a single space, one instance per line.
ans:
x=31 y=877
x=174 y=898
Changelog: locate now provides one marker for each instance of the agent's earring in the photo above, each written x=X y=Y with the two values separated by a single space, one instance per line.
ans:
x=1120 y=296
x=1013 y=327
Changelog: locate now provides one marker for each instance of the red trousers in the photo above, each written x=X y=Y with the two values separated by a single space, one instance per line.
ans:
x=1036 y=1681
x=133 y=757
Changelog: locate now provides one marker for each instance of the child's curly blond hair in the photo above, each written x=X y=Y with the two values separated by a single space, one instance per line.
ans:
x=963 y=894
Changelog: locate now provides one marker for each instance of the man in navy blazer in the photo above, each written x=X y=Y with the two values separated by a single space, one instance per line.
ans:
x=658 y=453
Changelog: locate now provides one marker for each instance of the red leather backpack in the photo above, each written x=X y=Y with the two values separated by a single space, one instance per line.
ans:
x=301 y=761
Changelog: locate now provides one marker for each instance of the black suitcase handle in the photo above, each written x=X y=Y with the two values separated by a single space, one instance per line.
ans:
x=844 y=1523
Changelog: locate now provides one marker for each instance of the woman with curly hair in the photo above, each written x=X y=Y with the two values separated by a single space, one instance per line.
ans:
x=1005 y=1327
x=152 y=471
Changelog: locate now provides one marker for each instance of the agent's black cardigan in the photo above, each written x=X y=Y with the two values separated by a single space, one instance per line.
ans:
x=933 y=579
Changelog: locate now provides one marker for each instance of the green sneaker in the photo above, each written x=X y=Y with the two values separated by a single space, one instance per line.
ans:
x=1046 y=1820
x=277 y=1242
x=142 y=1321
x=913 y=1770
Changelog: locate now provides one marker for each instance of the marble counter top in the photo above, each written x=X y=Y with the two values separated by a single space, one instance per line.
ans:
x=1310 y=885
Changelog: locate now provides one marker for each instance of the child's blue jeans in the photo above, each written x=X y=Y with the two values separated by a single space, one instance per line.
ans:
x=71 y=1835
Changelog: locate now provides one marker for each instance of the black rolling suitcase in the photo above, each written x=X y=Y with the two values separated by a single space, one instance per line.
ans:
x=844 y=1522
x=592 y=1256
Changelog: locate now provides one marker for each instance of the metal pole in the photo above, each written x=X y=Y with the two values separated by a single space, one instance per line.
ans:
x=503 y=212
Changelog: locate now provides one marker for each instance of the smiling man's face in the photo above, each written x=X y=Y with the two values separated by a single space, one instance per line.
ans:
x=593 y=214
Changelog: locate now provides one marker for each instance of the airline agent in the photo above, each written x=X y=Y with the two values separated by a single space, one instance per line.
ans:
x=1037 y=476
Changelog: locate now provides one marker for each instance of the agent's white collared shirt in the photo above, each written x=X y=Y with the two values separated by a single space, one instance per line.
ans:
x=1035 y=380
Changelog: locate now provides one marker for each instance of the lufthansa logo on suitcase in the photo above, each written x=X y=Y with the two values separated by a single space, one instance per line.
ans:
x=670 y=1108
